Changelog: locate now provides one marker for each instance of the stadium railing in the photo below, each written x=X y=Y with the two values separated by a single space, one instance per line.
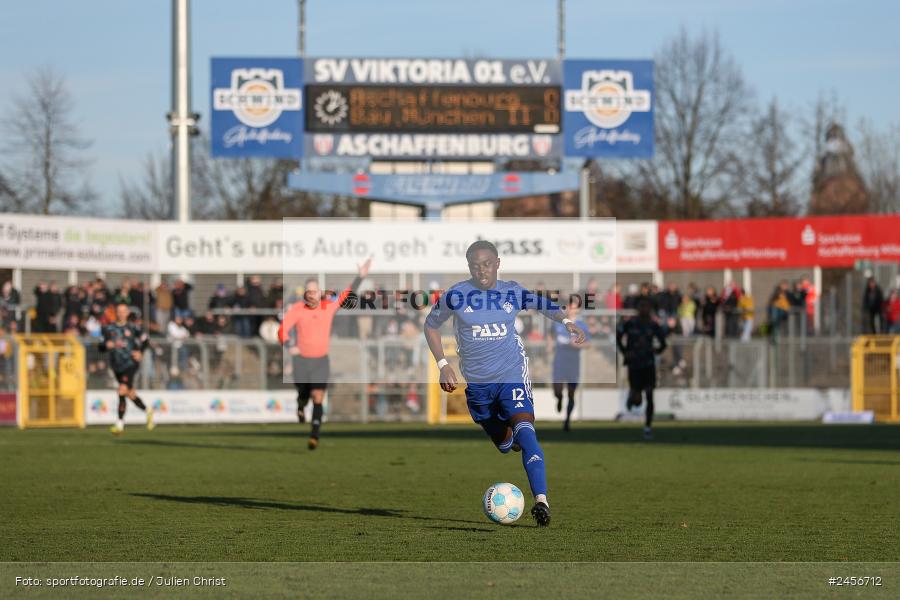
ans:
x=383 y=378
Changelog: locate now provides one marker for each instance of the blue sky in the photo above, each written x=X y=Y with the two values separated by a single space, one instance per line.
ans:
x=116 y=56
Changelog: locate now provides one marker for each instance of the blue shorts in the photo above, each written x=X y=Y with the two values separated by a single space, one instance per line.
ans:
x=498 y=400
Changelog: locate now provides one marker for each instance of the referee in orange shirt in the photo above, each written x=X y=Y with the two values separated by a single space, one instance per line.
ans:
x=307 y=325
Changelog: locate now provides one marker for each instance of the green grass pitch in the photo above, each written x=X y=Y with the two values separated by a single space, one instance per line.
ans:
x=699 y=492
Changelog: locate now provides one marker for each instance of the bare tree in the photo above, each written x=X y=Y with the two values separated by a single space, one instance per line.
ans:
x=230 y=189
x=45 y=170
x=702 y=110
x=771 y=164
x=240 y=188
x=9 y=198
x=826 y=110
x=878 y=154
x=152 y=198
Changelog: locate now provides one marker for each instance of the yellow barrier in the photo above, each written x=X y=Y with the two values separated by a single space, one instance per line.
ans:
x=51 y=380
x=444 y=407
x=874 y=375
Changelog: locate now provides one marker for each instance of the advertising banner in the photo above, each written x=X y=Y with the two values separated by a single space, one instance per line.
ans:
x=213 y=406
x=8 y=407
x=434 y=247
x=68 y=243
x=431 y=187
x=637 y=246
x=717 y=404
x=778 y=242
x=434 y=71
x=608 y=108
x=257 y=107
x=793 y=404
x=222 y=247
x=335 y=246
x=434 y=145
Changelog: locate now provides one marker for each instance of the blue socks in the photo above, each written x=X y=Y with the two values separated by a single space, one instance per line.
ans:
x=532 y=456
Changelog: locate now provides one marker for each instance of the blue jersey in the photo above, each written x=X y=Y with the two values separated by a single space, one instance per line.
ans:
x=565 y=352
x=484 y=322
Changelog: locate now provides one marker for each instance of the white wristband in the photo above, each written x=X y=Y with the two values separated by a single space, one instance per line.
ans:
x=443 y=363
x=567 y=320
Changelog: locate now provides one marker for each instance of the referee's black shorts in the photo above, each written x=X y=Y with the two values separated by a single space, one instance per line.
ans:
x=311 y=373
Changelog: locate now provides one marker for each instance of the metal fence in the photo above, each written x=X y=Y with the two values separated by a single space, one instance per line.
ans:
x=229 y=362
x=385 y=378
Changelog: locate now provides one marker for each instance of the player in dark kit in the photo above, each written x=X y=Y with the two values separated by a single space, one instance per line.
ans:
x=493 y=361
x=567 y=360
x=125 y=343
x=640 y=358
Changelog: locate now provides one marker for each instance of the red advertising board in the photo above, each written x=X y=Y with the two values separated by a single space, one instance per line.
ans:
x=7 y=408
x=781 y=242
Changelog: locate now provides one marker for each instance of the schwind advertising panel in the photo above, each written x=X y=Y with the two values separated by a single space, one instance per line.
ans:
x=608 y=108
x=257 y=107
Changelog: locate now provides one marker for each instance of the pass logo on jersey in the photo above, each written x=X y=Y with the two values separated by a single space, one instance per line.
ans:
x=489 y=330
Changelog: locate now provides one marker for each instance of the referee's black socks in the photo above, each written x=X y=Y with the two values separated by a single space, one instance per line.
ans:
x=316 y=420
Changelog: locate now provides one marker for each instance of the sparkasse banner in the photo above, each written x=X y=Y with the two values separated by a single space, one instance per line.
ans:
x=257 y=107
x=778 y=242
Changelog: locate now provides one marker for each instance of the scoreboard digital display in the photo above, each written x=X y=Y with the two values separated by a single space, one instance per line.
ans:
x=432 y=109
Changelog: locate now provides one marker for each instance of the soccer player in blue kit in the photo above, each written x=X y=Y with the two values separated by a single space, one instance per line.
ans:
x=567 y=361
x=493 y=361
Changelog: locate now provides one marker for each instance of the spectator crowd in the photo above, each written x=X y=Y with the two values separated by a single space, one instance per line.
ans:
x=251 y=310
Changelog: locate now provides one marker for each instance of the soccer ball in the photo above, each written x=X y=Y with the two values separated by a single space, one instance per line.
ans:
x=503 y=503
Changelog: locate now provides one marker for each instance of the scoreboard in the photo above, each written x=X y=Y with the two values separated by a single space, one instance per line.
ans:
x=433 y=109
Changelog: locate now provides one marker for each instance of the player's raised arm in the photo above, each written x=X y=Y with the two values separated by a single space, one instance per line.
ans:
x=553 y=311
x=361 y=272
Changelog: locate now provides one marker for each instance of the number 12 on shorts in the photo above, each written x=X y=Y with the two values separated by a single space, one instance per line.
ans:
x=518 y=395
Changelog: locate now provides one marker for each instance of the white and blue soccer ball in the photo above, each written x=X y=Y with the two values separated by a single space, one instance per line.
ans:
x=503 y=503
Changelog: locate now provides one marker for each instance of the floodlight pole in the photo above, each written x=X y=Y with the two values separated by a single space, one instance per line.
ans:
x=584 y=179
x=301 y=28
x=561 y=29
x=301 y=50
x=182 y=122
